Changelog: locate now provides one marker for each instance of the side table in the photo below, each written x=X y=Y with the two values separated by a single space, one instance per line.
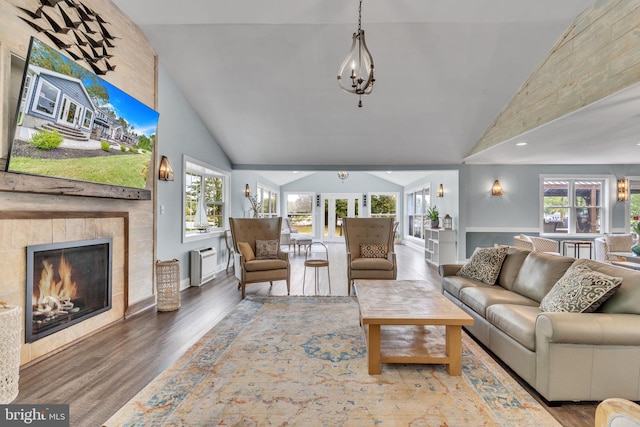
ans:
x=316 y=262
x=577 y=244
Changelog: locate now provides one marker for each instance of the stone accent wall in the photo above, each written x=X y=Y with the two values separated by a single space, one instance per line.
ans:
x=28 y=218
x=597 y=56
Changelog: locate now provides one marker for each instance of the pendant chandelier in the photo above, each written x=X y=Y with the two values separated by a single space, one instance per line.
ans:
x=359 y=65
x=343 y=175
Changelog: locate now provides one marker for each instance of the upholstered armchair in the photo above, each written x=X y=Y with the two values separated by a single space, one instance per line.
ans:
x=369 y=243
x=258 y=257
x=286 y=232
x=612 y=243
x=537 y=244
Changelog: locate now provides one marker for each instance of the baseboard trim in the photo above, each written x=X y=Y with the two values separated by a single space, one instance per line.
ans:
x=140 y=306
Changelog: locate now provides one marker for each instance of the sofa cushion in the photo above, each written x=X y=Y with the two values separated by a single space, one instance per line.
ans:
x=539 y=272
x=246 y=250
x=580 y=290
x=454 y=284
x=373 y=250
x=511 y=266
x=480 y=298
x=619 y=242
x=517 y=321
x=266 y=249
x=626 y=300
x=485 y=264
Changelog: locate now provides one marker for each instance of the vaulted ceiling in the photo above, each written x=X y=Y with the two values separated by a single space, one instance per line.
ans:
x=261 y=74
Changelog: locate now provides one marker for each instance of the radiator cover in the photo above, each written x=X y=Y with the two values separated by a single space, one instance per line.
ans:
x=203 y=266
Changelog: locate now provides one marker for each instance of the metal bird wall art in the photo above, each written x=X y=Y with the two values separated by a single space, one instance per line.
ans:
x=76 y=29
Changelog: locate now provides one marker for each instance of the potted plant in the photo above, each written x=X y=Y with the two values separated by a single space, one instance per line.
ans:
x=434 y=216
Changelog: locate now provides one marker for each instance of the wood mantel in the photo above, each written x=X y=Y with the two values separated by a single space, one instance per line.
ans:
x=56 y=186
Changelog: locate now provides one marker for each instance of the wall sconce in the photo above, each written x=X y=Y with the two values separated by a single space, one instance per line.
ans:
x=623 y=190
x=247 y=191
x=166 y=171
x=440 y=191
x=497 y=190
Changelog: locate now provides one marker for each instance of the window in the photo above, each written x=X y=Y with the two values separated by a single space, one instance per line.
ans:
x=88 y=117
x=204 y=199
x=300 y=211
x=417 y=204
x=25 y=95
x=383 y=205
x=574 y=205
x=634 y=201
x=269 y=200
x=47 y=98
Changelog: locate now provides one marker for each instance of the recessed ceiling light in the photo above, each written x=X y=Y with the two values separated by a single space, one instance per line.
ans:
x=521 y=144
x=295 y=172
x=392 y=171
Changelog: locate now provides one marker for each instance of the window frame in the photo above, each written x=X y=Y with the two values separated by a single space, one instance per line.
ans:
x=313 y=196
x=605 y=206
x=196 y=167
x=629 y=216
x=261 y=189
x=87 y=119
x=26 y=95
x=425 y=190
x=373 y=194
x=36 y=105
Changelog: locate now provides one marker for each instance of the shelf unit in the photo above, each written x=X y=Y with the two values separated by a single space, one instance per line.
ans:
x=440 y=246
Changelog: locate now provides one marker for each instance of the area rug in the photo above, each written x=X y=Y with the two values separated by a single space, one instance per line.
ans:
x=302 y=361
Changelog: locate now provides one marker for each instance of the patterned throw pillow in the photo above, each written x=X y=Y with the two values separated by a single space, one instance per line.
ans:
x=580 y=290
x=266 y=249
x=371 y=250
x=485 y=264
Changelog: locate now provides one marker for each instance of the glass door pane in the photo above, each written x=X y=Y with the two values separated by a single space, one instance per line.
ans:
x=337 y=207
x=341 y=210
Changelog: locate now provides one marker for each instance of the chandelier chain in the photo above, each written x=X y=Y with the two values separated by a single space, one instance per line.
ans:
x=360 y=17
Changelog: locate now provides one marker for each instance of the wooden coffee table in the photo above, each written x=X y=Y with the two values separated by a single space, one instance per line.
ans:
x=398 y=317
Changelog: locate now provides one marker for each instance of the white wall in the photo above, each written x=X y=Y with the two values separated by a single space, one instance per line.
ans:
x=181 y=132
x=518 y=210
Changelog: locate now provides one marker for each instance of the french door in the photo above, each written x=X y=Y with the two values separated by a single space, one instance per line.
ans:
x=70 y=112
x=335 y=207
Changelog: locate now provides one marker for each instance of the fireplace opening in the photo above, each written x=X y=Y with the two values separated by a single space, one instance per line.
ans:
x=66 y=284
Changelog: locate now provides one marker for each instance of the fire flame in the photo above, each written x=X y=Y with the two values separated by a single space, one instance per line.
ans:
x=55 y=296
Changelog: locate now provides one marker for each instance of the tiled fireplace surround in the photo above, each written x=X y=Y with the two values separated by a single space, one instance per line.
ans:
x=21 y=230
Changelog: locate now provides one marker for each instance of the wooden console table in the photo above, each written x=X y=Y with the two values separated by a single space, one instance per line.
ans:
x=397 y=317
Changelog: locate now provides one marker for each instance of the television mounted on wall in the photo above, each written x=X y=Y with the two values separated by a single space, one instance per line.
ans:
x=72 y=124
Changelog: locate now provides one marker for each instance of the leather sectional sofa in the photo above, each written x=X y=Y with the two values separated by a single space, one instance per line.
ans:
x=565 y=356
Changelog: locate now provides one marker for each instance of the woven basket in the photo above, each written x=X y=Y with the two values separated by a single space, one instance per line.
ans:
x=168 y=285
x=10 y=339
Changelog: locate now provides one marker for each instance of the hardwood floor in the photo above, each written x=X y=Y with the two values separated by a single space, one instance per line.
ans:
x=101 y=373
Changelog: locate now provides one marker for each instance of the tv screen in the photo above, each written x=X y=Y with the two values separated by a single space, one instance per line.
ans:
x=72 y=124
